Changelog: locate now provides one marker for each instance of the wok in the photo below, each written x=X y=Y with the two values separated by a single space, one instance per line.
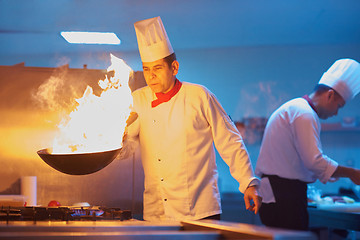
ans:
x=78 y=164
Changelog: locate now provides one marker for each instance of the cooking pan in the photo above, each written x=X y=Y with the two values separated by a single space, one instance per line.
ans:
x=78 y=163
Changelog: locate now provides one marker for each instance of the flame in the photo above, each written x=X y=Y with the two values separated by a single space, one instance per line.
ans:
x=98 y=122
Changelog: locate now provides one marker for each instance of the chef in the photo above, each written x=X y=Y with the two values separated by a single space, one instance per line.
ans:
x=178 y=123
x=291 y=155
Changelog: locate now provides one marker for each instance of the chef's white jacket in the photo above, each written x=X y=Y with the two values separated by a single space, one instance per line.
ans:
x=291 y=147
x=177 y=151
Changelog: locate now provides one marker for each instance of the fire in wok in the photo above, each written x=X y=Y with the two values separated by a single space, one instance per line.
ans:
x=90 y=138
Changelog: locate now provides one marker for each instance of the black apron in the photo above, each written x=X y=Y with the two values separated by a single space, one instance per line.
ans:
x=290 y=209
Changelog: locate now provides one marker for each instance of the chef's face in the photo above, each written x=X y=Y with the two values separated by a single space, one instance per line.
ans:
x=159 y=76
x=333 y=102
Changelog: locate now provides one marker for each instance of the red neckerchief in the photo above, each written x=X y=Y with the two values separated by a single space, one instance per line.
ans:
x=165 y=97
x=306 y=97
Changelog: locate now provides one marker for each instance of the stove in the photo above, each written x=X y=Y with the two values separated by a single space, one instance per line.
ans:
x=102 y=223
x=92 y=213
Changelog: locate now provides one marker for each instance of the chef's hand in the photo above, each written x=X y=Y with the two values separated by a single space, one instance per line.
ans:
x=355 y=176
x=252 y=199
x=352 y=173
x=132 y=117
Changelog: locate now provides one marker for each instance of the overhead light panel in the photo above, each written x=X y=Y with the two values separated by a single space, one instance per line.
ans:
x=91 y=37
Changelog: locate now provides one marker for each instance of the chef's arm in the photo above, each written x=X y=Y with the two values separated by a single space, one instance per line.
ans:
x=231 y=148
x=229 y=143
x=130 y=136
x=306 y=132
x=352 y=173
x=132 y=117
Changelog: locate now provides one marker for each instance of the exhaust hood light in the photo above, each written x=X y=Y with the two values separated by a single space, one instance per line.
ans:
x=91 y=37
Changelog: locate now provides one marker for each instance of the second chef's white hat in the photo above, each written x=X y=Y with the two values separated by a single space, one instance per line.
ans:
x=152 y=40
x=344 y=77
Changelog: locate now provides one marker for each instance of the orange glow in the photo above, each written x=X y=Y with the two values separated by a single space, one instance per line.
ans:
x=98 y=122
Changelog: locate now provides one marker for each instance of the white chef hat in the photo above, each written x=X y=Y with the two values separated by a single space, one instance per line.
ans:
x=344 y=77
x=152 y=39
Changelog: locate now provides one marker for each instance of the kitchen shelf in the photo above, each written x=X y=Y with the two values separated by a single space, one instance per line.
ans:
x=338 y=127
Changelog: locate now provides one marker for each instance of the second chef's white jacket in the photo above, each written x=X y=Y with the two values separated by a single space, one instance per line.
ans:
x=291 y=147
x=177 y=151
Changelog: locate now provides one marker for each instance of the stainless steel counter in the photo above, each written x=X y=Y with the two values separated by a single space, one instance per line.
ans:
x=134 y=230
x=334 y=219
x=104 y=230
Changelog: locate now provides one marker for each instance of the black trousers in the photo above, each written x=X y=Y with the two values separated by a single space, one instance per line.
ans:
x=290 y=209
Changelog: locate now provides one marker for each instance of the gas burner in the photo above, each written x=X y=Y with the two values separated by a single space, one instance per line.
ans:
x=10 y=214
x=116 y=214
